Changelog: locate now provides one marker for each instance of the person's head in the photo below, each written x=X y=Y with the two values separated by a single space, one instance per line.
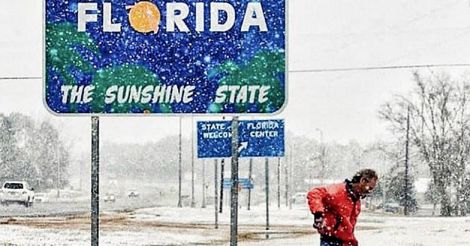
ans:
x=364 y=182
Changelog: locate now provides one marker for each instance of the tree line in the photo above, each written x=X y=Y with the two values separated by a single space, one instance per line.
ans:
x=32 y=151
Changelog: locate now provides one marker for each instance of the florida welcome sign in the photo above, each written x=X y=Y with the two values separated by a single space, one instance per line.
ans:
x=165 y=56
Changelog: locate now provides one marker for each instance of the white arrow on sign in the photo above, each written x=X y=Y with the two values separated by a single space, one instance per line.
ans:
x=243 y=145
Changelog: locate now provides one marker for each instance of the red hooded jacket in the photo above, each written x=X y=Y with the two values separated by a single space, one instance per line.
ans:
x=340 y=208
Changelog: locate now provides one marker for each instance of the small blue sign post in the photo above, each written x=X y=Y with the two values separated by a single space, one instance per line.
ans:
x=257 y=138
x=243 y=183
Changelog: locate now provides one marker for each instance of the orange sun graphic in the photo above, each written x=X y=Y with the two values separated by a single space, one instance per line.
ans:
x=144 y=17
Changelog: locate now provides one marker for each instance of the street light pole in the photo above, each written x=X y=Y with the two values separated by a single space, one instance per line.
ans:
x=322 y=156
x=286 y=177
x=321 y=134
x=291 y=173
x=58 y=171
x=279 y=182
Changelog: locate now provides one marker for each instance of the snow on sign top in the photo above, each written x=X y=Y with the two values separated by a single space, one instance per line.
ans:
x=165 y=57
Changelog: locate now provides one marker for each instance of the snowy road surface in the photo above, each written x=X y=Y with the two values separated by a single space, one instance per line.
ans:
x=194 y=226
x=74 y=207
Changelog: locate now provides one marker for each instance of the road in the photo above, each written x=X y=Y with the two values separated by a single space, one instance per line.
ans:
x=71 y=207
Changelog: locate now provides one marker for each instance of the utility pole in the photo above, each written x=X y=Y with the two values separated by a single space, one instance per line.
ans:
x=180 y=205
x=286 y=177
x=322 y=156
x=81 y=162
x=58 y=170
x=407 y=202
x=384 y=193
x=291 y=173
x=279 y=182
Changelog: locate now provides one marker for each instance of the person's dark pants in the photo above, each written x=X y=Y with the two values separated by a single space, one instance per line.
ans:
x=330 y=241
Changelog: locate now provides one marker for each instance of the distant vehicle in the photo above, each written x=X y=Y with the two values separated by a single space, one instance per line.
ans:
x=185 y=200
x=109 y=198
x=17 y=192
x=392 y=208
x=133 y=194
x=299 y=198
x=41 y=197
x=210 y=200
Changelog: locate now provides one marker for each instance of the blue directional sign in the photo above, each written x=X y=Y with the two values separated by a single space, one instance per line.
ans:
x=243 y=183
x=165 y=56
x=263 y=138
x=214 y=139
x=257 y=138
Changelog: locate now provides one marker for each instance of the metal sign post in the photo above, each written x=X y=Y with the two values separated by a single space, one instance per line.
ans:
x=215 y=194
x=180 y=204
x=266 y=168
x=95 y=183
x=250 y=171
x=221 y=199
x=193 y=202
x=203 y=205
x=234 y=193
x=279 y=183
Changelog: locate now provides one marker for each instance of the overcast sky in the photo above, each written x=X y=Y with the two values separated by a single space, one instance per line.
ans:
x=322 y=34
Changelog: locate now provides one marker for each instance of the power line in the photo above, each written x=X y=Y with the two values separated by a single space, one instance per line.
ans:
x=19 y=78
x=321 y=70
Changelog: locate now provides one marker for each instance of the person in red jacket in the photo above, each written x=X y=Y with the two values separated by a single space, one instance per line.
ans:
x=336 y=208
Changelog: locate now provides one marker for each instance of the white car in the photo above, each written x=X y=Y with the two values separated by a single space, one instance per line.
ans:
x=109 y=198
x=299 y=198
x=41 y=197
x=17 y=192
x=133 y=194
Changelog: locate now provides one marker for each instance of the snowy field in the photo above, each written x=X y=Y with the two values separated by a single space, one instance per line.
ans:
x=186 y=226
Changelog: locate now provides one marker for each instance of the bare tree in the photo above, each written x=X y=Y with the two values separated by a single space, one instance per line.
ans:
x=439 y=127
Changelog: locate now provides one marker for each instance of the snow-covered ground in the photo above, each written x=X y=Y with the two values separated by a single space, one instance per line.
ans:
x=195 y=226
x=400 y=231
